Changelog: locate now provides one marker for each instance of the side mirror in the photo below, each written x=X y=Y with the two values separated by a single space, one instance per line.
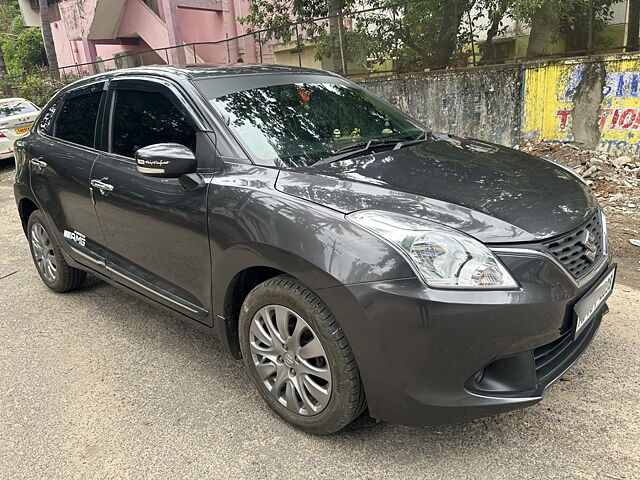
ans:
x=167 y=160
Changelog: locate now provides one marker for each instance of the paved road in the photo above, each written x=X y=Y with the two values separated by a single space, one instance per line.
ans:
x=98 y=384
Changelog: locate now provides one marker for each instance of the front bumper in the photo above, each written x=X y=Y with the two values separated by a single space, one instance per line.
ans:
x=430 y=357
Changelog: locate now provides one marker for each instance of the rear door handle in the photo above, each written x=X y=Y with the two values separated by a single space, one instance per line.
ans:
x=39 y=163
x=102 y=186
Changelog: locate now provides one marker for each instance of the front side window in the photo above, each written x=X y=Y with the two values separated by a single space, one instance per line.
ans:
x=76 y=122
x=16 y=107
x=298 y=124
x=145 y=118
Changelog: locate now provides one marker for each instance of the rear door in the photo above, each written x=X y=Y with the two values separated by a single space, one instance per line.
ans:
x=155 y=230
x=61 y=155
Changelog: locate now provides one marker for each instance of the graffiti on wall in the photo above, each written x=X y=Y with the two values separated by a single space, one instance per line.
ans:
x=550 y=94
x=618 y=85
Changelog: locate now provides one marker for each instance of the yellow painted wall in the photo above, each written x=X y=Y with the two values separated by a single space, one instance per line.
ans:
x=548 y=102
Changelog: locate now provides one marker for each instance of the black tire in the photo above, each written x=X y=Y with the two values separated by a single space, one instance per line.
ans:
x=347 y=399
x=66 y=277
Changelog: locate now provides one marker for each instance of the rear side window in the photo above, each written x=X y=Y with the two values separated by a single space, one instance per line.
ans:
x=76 y=121
x=145 y=118
x=46 y=120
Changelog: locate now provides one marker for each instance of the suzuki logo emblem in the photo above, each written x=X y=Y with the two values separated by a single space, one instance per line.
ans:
x=588 y=242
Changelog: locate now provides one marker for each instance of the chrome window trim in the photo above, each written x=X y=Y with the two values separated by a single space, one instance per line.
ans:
x=597 y=268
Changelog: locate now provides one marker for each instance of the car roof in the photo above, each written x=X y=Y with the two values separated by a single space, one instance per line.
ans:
x=13 y=99
x=201 y=71
x=196 y=71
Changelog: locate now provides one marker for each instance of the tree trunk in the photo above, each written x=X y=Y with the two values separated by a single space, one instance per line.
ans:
x=542 y=25
x=489 y=49
x=633 y=29
x=448 y=36
x=47 y=38
x=3 y=66
x=335 y=26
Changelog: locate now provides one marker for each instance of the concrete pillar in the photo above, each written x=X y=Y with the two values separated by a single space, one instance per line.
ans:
x=171 y=20
x=90 y=54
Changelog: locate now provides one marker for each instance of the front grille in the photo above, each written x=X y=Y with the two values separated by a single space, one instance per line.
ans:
x=552 y=358
x=548 y=356
x=570 y=250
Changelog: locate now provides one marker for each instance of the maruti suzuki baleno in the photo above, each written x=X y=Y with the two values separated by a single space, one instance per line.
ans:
x=353 y=258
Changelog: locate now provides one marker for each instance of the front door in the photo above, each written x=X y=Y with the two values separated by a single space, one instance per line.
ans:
x=155 y=229
x=61 y=157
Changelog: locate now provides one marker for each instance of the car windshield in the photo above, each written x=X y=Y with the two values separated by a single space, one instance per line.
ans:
x=299 y=124
x=16 y=107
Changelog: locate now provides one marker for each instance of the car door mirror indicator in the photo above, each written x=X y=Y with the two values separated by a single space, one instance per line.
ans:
x=166 y=160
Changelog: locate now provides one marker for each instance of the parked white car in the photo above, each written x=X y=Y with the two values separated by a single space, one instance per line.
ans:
x=16 y=117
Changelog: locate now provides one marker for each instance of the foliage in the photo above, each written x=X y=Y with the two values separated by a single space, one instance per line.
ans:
x=357 y=47
x=422 y=34
x=22 y=47
x=567 y=13
x=276 y=16
x=26 y=52
x=574 y=24
x=38 y=89
x=428 y=33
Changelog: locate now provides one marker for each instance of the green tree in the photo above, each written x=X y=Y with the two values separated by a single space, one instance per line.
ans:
x=496 y=11
x=22 y=48
x=422 y=34
x=277 y=15
x=552 y=19
x=8 y=11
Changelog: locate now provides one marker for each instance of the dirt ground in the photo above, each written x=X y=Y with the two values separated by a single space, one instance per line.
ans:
x=621 y=229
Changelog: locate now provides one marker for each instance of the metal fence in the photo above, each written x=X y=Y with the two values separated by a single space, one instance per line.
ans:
x=408 y=36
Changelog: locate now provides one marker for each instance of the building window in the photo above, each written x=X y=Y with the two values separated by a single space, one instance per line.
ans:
x=36 y=6
x=153 y=5
x=54 y=10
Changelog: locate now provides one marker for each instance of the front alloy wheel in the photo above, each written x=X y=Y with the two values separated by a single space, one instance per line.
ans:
x=290 y=360
x=298 y=356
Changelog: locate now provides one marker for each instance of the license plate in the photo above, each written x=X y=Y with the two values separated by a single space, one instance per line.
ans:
x=21 y=130
x=588 y=306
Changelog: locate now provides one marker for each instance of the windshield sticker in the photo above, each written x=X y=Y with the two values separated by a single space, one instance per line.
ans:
x=305 y=95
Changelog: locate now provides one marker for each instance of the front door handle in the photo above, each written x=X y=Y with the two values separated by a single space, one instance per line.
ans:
x=102 y=186
x=39 y=163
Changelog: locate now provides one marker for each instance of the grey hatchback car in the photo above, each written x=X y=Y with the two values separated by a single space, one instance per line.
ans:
x=355 y=260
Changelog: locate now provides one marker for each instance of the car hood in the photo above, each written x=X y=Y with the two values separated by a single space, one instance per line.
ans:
x=493 y=193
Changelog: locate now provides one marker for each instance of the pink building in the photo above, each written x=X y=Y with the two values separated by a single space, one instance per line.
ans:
x=89 y=30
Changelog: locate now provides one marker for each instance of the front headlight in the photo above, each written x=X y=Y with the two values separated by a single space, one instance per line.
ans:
x=442 y=256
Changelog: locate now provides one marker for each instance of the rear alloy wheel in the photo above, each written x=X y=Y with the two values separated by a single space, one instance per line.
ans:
x=43 y=254
x=47 y=256
x=298 y=357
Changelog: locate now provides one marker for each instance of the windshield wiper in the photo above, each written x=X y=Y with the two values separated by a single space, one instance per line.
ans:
x=354 y=149
x=363 y=147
